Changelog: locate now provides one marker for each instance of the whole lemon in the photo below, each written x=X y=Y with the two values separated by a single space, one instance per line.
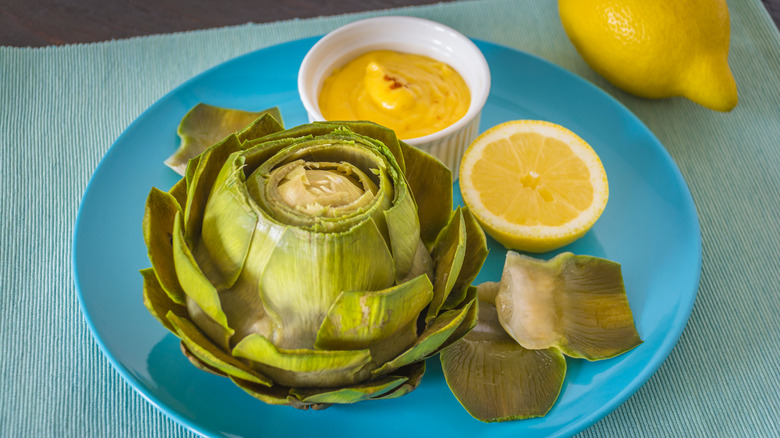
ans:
x=656 y=48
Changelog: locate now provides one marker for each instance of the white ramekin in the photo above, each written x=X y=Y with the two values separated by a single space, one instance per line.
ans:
x=410 y=35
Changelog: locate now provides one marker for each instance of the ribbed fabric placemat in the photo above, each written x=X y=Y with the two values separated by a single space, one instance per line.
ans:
x=61 y=108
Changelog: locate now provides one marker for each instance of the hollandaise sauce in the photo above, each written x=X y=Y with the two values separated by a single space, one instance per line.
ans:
x=414 y=95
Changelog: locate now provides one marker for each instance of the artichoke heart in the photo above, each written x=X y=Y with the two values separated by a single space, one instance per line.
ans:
x=315 y=265
x=320 y=189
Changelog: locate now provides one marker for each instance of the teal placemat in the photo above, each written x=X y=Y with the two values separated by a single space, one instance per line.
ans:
x=61 y=109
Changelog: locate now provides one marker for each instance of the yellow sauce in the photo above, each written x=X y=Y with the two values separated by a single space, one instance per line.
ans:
x=413 y=95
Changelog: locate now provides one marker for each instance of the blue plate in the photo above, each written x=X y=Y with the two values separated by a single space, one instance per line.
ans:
x=649 y=226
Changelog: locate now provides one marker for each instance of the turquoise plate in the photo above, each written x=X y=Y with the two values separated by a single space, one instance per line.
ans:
x=649 y=226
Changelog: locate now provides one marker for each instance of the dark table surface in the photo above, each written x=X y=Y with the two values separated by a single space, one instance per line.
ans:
x=37 y=23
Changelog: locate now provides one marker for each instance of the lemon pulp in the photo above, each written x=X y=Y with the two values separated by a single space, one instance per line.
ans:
x=533 y=185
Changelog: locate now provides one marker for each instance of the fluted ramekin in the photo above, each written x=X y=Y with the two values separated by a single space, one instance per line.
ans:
x=409 y=35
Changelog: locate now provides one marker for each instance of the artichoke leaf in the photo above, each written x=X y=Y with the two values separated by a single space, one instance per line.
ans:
x=448 y=254
x=575 y=303
x=158 y=223
x=432 y=339
x=413 y=373
x=268 y=123
x=309 y=270
x=179 y=192
x=258 y=151
x=431 y=183
x=390 y=347
x=378 y=133
x=403 y=228
x=228 y=224
x=273 y=395
x=368 y=132
x=496 y=379
x=303 y=367
x=350 y=394
x=205 y=125
x=488 y=290
x=157 y=300
x=201 y=347
x=359 y=319
x=242 y=302
x=400 y=382
x=469 y=320
x=212 y=329
x=194 y=360
x=199 y=187
x=259 y=349
x=195 y=284
x=473 y=258
x=189 y=176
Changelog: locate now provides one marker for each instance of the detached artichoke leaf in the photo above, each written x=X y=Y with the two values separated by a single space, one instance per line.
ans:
x=575 y=303
x=158 y=224
x=195 y=284
x=448 y=254
x=431 y=182
x=303 y=367
x=496 y=379
x=473 y=258
x=157 y=300
x=205 y=125
x=488 y=290
x=201 y=347
x=434 y=337
x=359 y=319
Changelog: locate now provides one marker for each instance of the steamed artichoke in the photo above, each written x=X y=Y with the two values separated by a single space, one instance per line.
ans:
x=312 y=266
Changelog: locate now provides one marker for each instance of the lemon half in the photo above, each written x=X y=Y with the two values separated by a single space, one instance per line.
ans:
x=533 y=185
